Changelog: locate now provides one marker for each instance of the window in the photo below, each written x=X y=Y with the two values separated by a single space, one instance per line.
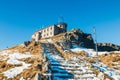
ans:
x=44 y=35
x=50 y=33
x=44 y=30
x=40 y=32
x=47 y=29
x=51 y=28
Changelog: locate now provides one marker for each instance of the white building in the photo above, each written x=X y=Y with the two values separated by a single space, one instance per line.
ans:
x=49 y=31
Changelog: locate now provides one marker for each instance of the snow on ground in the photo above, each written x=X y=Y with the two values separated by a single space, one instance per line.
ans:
x=109 y=71
x=15 y=71
x=13 y=58
x=116 y=51
x=101 y=66
x=4 y=54
x=90 y=52
x=64 y=67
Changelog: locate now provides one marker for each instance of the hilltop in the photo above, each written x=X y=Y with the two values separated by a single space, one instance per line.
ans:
x=68 y=55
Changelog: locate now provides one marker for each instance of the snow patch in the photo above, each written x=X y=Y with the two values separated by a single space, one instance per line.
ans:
x=5 y=53
x=14 y=59
x=109 y=71
x=15 y=71
x=90 y=52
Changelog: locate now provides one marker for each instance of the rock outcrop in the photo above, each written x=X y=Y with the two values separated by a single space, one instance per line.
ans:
x=108 y=47
x=77 y=37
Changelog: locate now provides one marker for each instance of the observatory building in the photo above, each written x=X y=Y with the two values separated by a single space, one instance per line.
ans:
x=49 y=31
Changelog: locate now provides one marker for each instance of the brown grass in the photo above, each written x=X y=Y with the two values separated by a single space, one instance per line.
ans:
x=5 y=66
x=32 y=70
x=68 y=55
x=2 y=77
x=33 y=47
x=65 y=55
x=58 y=36
x=96 y=71
x=80 y=54
x=110 y=58
x=27 y=73
x=31 y=60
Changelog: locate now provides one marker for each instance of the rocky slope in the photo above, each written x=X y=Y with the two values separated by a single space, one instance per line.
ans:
x=71 y=54
x=20 y=62
x=79 y=38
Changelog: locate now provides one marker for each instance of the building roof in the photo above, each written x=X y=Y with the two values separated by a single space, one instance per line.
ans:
x=63 y=23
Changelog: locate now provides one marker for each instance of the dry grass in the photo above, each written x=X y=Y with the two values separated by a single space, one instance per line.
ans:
x=96 y=71
x=28 y=73
x=109 y=59
x=34 y=59
x=64 y=54
x=68 y=55
x=5 y=66
x=36 y=49
x=32 y=70
x=2 y=77
x=80 y=54
x=33 y=47
x=58 y=36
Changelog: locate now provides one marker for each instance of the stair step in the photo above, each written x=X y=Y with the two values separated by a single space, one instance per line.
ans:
x=63 y=75
x=67 y=69
x=59 y=78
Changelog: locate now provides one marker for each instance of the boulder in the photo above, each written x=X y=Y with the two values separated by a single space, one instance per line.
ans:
x=26 y=43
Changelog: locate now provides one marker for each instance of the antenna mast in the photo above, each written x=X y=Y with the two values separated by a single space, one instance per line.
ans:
x=95 y=41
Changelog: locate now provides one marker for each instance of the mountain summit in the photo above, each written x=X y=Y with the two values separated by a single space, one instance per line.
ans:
x=57 y=54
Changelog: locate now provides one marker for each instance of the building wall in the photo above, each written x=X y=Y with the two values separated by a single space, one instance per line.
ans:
x=49 y=32
x=62 y=27
x=56 y=30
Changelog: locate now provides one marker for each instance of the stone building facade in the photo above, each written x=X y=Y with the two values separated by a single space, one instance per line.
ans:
x=49 y=31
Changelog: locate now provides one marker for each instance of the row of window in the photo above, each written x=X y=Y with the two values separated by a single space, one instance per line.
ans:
x=50 y=28
x=47 y=29
x=47 y=34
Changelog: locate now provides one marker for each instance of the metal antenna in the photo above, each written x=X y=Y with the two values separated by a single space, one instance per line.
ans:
x=95 y=41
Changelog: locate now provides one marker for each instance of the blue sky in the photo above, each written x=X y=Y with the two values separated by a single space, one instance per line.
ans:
x=20 y=18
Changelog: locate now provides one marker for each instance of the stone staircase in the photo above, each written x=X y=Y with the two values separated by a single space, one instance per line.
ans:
x=62 y=69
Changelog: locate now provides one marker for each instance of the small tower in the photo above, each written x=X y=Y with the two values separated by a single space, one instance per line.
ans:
x=62 y=25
